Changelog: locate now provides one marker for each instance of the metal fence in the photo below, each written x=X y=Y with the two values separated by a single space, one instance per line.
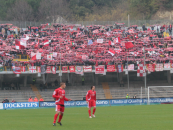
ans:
x=131 y=22
x=24 y=24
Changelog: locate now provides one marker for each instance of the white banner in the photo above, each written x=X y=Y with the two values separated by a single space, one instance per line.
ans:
x=159 y=67
x=171 y=71
x=99 y=40
x=131 y=67
x=1 y=105
x=87 y=68
x=167 y=65
x=54 y=54
x=38 y=56
x=79 y=70
x=49 y=57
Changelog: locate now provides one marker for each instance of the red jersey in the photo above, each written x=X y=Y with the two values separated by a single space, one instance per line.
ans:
x=91 y=95
x=57 y=93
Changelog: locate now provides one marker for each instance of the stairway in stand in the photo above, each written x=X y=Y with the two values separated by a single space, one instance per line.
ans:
x=106 y=90
x=36 y=92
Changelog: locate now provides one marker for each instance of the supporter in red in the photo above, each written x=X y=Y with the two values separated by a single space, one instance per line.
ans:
x=35 y=99
x=30 y=99
x=13 y=100
x=41 y=100
x=91 y=100
x=59 y=96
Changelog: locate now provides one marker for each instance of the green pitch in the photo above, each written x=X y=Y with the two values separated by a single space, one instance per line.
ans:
x=153 y=117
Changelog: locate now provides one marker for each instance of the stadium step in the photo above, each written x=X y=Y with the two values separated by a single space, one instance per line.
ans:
x=36 y=92
x=106 y=90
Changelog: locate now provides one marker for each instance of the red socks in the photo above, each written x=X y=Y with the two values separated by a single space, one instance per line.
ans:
x=55 y=117
x=89 y=111
x=94 y=110
x=60 y=117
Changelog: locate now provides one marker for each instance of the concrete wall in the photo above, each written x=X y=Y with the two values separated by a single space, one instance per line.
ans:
x=90 y=78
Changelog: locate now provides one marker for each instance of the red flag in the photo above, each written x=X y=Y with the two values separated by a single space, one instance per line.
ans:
x=110 y=42
x=46 y=43
x=34 y=57
x=141 y=70
x=117 y=40
x=112 y=52
x=129 y=45
x=20 y=44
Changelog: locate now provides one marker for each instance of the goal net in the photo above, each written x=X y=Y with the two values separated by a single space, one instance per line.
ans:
x=159 y=92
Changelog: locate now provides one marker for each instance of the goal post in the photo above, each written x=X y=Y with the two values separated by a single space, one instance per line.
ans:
x=161 y=91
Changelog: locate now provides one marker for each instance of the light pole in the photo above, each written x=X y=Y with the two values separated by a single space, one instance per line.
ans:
x=145 y=77
x=127 y=73
x=60 y=65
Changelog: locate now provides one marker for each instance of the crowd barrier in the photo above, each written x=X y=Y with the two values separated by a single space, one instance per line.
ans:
x=111 y=102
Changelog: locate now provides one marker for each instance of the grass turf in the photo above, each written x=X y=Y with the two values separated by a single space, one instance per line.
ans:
x=153 y=117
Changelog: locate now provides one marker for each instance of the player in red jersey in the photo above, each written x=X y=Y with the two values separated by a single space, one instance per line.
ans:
x=59 y=96
x=91 y=100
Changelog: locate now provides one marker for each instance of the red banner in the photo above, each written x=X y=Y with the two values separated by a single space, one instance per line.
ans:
x=87 y=68
x=38 y=69
x=151 y=67
x=111 y=68
x=53 y=69
x=64 y=69
x=72 y=69
x=16 y=70
x=99 y=69
x=23 y=68
x=48 y=70
x=119 y=68
x=171 y=65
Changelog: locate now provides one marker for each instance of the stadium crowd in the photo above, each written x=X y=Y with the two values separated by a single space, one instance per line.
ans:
x=79 y=45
